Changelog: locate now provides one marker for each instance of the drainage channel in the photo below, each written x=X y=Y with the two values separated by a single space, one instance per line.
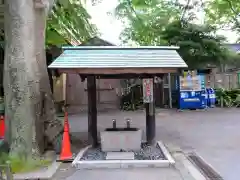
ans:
x=208 y=172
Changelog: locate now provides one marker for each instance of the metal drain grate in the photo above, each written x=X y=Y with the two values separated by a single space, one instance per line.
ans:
x=206 y=170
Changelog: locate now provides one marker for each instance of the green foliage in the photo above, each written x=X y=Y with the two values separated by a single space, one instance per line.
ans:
x=21 y=165
x=233 y=59
x=166 y=22
x=146 y=19
x=229 y=98
x=53 y=38
x=3 y=158
x=133 y=100
x=199 y=44
x=69 y=22
x=223 y=13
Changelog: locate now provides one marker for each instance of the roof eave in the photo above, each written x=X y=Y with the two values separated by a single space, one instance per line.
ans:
x=108 y=71
x=120 y=47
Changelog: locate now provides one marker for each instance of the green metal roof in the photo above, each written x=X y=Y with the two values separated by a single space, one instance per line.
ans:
x=118 y=57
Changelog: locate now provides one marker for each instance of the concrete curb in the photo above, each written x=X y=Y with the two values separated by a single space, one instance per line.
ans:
x=79 y=155
x=117 y=164
x=166 y=152
x=186 y=168
x=196 y=174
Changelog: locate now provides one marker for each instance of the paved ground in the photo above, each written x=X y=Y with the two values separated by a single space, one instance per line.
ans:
x=128 y=174
x=179 y=172
x=214 y=134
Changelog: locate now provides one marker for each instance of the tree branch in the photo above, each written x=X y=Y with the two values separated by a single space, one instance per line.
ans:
x=185 y=10
x=235 y=12
x=135 y=13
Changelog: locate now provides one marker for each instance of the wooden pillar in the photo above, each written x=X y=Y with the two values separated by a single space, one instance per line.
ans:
x=150 y=121
x=170 y=90
x=92 y=110
x=159 y=93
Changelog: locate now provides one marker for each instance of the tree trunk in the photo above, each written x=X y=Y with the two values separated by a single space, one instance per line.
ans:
x=30 y=112
x=52 y=126
x=21 y=79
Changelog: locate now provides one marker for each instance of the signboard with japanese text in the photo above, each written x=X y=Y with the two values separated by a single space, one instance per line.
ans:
x=147 y=90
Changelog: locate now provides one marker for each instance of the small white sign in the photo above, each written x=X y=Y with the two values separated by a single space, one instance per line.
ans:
x=147 y=90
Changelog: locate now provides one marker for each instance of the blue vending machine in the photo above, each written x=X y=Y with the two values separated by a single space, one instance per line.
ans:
x=192 y=92
x=212 y=97
x=204 y=89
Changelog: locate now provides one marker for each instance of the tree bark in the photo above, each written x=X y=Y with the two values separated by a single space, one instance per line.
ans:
x=21 y=79
x=52 y=126
x=30 y=113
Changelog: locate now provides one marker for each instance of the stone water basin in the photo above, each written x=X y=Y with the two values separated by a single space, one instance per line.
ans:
x=121 y=139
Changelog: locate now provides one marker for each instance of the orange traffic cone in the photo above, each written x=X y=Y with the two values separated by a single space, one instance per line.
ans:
x=66 y=153
x=2 y=127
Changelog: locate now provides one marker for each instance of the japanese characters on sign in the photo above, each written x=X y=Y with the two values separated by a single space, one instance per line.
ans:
x=147 y=90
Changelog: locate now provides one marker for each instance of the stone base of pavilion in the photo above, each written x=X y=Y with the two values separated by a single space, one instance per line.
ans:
x=122 y=159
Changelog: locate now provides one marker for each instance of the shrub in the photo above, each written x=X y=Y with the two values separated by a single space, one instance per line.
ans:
x=230 y=98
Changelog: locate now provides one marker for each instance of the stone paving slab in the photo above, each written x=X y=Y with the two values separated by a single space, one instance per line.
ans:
x=64 y=171
x=128 y=174
x=186 y=168
x=119 y=155
x=178 y=172
x=181 y=170
x=213 y=134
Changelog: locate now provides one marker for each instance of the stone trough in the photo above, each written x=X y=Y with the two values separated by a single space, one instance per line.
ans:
x=121 y=139
x=123 y=148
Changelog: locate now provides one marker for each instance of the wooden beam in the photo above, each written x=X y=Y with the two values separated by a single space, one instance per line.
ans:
x=170 y=90
x=106 y=71
x=126 y=76
x=118 y=76
x=92 y=110
x=150 y=121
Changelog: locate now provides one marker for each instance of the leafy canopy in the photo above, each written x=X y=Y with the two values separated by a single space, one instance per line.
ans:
x=223 y=13
x=69 y=22
x=199 y=44
x=167 y=22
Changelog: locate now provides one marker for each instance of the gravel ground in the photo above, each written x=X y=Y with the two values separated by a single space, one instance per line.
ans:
x=147 y=152
x=94 y=154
